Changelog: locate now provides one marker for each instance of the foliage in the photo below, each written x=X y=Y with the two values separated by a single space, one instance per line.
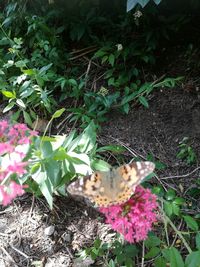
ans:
x=92 y=60
x=37 y=70
x=186 y=152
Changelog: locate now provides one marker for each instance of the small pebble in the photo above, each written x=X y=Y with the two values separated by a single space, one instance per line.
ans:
x=49 y=230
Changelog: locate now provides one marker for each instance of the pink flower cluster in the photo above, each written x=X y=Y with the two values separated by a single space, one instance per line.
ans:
x=134 y=218
x=11 y=159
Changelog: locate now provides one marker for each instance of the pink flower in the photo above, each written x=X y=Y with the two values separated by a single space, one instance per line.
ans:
x=8 y=193
x=3 y=128
x=5 y=148
x=17 y=167
x=134 y=218
x=11 y=139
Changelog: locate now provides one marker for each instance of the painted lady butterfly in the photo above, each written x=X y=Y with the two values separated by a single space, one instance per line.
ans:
x=113 y=187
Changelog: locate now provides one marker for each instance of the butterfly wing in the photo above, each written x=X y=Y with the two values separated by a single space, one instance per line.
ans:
x=110 y=188
x=87 y=186
x=131 y=175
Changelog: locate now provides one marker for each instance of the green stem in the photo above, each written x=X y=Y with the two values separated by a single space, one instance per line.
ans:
x=167 y=219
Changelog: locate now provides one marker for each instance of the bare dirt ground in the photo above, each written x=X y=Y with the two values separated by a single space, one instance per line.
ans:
x=32 y=235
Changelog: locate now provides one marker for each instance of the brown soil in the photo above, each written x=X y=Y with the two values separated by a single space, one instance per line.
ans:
x=24 y=238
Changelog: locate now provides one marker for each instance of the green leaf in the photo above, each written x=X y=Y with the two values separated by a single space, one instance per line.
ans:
x=143 y=101
x=126 y=108
x=47 y=191
x=179 y=201
x=20 y=103
x=46 y=149
x=111 y=59
x=53 y=170
x=104 y=59
x=193 y=259
x=58 y=113
x=45 y=68
x=112 y=148
x=29 y=72
x=175 y=258
x=168 y=208
x=27 y=118
x=197 y=238
x=160 y=262
x=9 y=94
x=170 y=195
x=191 y=223
x=15 y=116
x=152 y=241
x=111 y=263
x=175 y=209
x=8 y=107
x=153 y=252
x=100 y=165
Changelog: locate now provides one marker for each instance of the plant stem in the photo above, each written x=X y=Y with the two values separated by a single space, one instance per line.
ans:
x=167 y=219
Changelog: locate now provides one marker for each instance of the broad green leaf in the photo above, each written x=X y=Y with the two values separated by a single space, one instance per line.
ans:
x=20 y=103
x=152 y=241
x=160 y=262
x=175 y=258
x=168 y=208
x=104 y=59
x=143 y=101
x=175 y=209
x=86 y=141
x=111 y=263
x=8 y=107
x=193 y=259
x=48 y=139
x=60 y=154
x=45 y=68
x=9 y=94
x=21 y=63
x=59 y=140
x=58 y=113
x=197 y=238
x=16 y=115
x=191 y=223
x=111 y=59
x=153 y=252
x=52 y=168
x=46 y=149
x=112 y=148
x=179 y=201
x=126 y=108
x=47 y=191
x=80 y=162
x=73 y=82
x=27 y=118
x=128 y=98
x=29 y=72
x=170 y=195
x=100 y=165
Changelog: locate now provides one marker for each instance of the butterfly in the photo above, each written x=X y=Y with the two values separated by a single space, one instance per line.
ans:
x=112 y=187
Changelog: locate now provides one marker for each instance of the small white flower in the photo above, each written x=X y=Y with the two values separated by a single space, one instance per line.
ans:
x=137 y=14
x=119 y=47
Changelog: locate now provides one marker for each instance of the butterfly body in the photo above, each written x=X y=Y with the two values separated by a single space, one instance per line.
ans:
x=113 y=187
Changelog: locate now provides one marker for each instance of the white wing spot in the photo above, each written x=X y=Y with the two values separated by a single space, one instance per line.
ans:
x=139 y=165
x=81 y=182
